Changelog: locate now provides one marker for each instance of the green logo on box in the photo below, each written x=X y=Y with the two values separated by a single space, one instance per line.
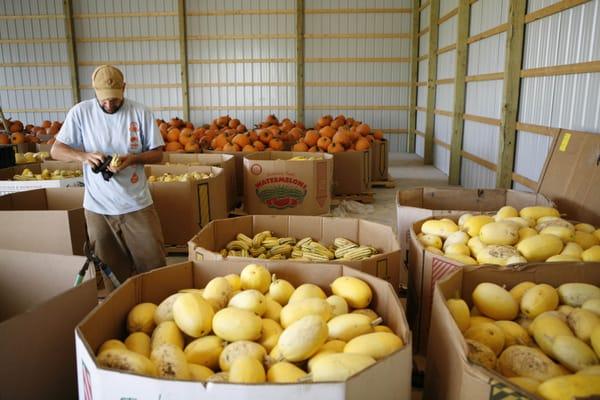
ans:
x=281 y=191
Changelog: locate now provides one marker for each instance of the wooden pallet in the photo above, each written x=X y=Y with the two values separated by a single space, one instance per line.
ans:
x=366 y=198
x=387 y=184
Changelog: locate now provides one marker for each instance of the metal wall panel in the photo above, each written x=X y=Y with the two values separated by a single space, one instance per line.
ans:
x=529 y=163
x=446 y=67
x=562 y=101
x=424 y=44
x=443 y=128
x=421 y=116
x=384 y=74
x=423 y=65
x=447 y=5
x=422 y=96
x=441 y=158
x=534 y=5
x=25 y=87
x=568 y=37
x=487 y=14
x=424 y=20
x=487 y=55
x=145 y=62
x=484 y=98
x=420 y=146
x=481 y=140
x=444 y=99
x=447 y=31
x=473 y=175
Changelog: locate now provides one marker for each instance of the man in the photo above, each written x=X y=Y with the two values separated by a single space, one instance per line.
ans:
x=122 y=224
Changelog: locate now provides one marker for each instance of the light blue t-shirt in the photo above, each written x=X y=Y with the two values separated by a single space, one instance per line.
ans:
x=132 y=129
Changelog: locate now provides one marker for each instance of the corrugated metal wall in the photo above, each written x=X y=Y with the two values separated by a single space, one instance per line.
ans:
x=139 y=37
x=444 y=96
x=422 y=77
x=484 y=98
x=242 y=59
x=357 y=63
x=34 y=72
x=560 y=101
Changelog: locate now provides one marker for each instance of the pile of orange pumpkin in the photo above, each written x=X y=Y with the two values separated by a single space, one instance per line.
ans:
x=19 y=133
x=335 y=135
x=226 y=134
x=179 y=135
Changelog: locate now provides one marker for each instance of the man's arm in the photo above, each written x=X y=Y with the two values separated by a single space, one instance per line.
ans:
x=147 y=157
x=63 y=152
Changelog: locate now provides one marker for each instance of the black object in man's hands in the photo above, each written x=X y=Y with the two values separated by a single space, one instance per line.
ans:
x=103 y=168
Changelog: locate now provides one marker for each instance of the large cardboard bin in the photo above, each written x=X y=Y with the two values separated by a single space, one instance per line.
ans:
x=8 y=185
x=351 y=172
x=387 y=379
x=224 y=161
x=276 y=184
x=386 y=265
x=39 y=309
x=43 y=220
x=449 y=374
x=379 y=160
x=185 y=207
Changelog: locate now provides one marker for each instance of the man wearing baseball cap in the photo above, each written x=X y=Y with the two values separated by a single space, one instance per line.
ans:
x=122 y=224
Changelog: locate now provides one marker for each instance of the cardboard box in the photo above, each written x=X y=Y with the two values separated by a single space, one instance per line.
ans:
x=391 y=376
x=185 y=207
x=274 y=184
x=238 y=158
x=351 y=172
x=379 y=160
x=39 y=309
x=44 y=220
x=449 y=375
x=7 y=185
x=418 y=203
x=386 y=265
x=43 y=147
x=571 y=176
x=224 y=161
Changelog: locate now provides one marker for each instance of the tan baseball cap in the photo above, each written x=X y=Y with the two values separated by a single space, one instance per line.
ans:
x=108 y=82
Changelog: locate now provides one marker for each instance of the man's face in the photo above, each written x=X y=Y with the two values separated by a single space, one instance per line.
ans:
x=111 y=105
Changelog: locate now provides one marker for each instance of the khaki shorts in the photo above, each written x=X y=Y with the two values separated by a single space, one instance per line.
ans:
x=129 y=243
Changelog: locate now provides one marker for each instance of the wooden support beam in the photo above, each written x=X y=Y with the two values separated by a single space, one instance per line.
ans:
x=414 y=74
x=71 y=50
x=462 y=50
x=183 y=57
x=565 y=69
x=553 y=9
x=489 y=33
x=434 y=13
x=300 y=61
x=525 y=181
x=478 y=160
x=510 y=99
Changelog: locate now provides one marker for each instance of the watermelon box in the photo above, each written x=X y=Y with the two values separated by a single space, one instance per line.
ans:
x=289 y=183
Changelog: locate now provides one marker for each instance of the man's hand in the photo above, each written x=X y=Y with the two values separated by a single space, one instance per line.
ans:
x=92 y=159
x=124 y=161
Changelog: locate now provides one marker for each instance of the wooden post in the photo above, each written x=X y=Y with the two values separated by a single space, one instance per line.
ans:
x=71 y=50
x=183 y=57
x=414 y=75
x=300 y=61
x=462 y=52
x=510 y=98
x=434 y=14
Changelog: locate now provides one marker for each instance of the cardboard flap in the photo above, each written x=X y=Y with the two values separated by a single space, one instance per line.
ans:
x=28 y=279
x=26 y=200
x=40 y=344
x=64 y=198
x=571 y=176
